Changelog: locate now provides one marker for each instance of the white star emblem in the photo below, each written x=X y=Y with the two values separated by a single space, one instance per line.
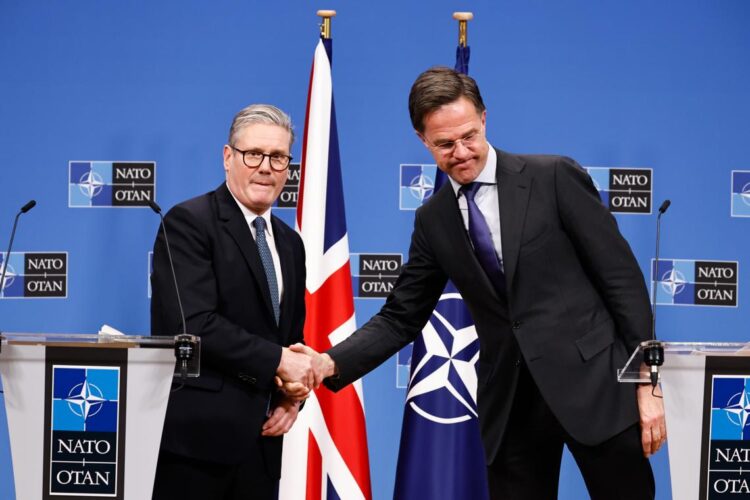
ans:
x=10 y=276
x=443 y=360
x=85 y=400
x=745 y=194
x=90 y=184
x=738 y=409
x=421 y=187
x=673 y=282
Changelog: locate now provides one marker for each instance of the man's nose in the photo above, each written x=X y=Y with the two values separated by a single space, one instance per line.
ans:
x=265 y=165
x=460 y=150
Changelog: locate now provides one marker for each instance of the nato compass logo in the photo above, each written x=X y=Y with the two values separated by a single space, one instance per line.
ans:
x=695 y=282
x=417 y=184
x=624 y=190
x=443 y=386
x=288 y=196
x=111 y=184
x=740 y=193
x=84 y=433
x=35 y=275
x=729 y=448
x=376 y=274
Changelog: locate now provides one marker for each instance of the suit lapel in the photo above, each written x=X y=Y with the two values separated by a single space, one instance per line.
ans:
x=288 y=276
x=514 y=187
x=450 y=218
x=236 y=225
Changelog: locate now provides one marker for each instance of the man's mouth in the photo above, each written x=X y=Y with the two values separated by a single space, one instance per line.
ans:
x=462 y=164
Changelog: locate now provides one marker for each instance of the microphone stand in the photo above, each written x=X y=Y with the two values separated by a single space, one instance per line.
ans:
x=184 y=347
x=28 y=206
x=653 y=353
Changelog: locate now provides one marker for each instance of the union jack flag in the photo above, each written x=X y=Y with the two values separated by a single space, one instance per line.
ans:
x=325 y=453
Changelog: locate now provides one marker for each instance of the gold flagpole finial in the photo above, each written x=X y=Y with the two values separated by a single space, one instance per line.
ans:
x=462 y=18
x=325 y=27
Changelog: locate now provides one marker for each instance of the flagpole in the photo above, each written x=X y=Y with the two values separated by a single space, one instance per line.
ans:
x=462 y=18
x=441 y=458
x=325 y=452
x=325 y=27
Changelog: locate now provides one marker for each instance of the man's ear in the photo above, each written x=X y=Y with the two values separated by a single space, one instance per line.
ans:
x=227 y=157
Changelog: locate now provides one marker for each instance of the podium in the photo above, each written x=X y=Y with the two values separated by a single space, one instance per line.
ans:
x=86 y=412
x=706 y=389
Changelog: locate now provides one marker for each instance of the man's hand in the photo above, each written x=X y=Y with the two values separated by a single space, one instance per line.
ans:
x=653 y=425
x=296 y=367
x=322 y=364
x=293 y=390
x=281 y=418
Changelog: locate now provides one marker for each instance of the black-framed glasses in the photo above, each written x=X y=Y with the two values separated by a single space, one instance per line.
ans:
x=253 y=159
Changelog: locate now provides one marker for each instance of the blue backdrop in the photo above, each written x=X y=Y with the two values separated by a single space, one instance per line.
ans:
x=638 y=84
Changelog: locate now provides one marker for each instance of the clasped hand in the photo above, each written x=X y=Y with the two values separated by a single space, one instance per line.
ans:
x=301 y=370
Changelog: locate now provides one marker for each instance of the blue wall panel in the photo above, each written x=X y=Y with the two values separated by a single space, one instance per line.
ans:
x=659 y=85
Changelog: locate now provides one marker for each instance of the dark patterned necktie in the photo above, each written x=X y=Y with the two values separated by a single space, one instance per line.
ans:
x=265 y=256
x=481 y=238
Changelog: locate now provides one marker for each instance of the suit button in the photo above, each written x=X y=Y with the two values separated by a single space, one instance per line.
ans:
x=516 y=325
x=518 y=362
x=251 y=380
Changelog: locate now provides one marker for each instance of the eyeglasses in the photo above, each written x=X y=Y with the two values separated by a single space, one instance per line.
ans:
x=253 y=159
x=467 y=141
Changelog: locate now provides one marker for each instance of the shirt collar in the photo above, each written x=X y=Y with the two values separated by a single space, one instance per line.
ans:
x=487 y=175
x=250 y=216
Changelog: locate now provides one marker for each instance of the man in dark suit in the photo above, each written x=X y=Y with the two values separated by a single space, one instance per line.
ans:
x=241 y=276
x=556 y=295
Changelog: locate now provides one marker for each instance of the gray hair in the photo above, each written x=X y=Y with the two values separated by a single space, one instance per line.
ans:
x=260 y=113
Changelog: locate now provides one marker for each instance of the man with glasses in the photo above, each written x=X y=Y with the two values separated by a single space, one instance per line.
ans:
x=557 y=297
x=241 y=276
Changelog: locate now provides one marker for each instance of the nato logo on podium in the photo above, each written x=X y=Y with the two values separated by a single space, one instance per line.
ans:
x=83 y=435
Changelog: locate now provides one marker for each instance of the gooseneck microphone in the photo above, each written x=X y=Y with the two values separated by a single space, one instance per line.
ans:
x=28 y=206
x=157 y=209
x=183 y=344
x=653 y=354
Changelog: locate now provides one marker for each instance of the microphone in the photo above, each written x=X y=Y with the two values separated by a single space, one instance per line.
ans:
x=31 y=204
x=654 y=351
x=184 y=345
x=663 y=208
x=28 y=206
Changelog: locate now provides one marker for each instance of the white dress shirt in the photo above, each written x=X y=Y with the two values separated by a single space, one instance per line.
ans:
x=486 y=199
x=250 y=216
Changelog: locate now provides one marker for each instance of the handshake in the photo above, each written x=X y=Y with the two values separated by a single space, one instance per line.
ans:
x=301 y=370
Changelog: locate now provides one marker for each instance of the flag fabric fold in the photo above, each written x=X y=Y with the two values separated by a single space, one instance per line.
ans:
x=462 y=59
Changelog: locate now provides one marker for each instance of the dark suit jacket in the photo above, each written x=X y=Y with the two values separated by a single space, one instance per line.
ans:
x=576 y=306
x=218 y=417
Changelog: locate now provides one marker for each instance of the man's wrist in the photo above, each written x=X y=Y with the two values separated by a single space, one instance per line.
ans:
x=330 y=367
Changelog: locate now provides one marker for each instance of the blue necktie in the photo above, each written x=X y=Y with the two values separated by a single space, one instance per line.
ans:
x=481 y=238
x=265 y=256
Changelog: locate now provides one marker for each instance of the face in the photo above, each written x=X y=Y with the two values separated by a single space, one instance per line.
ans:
x=256 y=188
x=454 y=134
